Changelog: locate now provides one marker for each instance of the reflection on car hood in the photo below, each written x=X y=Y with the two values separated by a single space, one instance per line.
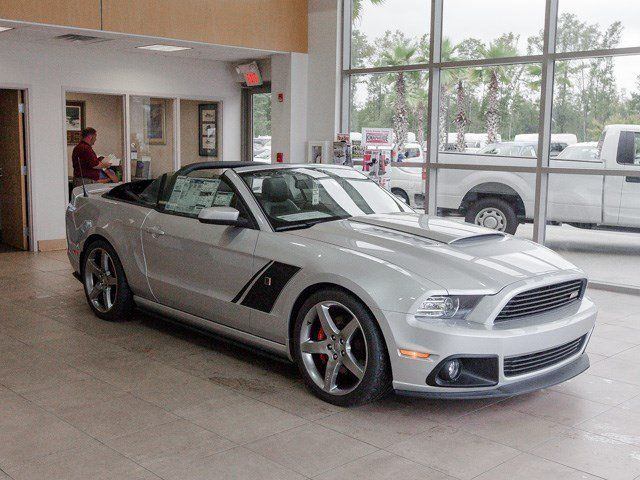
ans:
x=457 y=256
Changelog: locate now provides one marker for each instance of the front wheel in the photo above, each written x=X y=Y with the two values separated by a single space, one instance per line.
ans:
x=494 y=213
x=105 y=284
x=340 y=350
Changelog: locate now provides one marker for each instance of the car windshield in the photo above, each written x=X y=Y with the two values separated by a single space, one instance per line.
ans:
x=300 y=197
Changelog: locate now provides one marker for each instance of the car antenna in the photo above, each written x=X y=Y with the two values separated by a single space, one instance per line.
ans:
x=84 y=188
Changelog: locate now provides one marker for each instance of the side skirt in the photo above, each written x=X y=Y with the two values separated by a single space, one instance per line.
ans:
x=208 y=326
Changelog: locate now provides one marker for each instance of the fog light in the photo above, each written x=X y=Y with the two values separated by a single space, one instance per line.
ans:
x=451 y=370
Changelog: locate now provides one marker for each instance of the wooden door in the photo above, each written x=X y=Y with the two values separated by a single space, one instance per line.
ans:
x=13 y=192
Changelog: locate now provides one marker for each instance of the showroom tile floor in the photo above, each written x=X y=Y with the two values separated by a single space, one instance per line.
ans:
x=81 y=398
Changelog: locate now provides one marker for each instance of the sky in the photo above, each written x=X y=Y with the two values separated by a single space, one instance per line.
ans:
x=486 y=19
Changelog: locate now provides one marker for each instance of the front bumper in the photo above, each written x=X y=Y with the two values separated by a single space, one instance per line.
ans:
x=553 y=377
x=525 y=336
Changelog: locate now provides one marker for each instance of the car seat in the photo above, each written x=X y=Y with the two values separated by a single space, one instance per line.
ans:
x=276 y=197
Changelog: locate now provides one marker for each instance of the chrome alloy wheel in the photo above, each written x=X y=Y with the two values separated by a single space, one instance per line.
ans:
x=100 y=280
x=333 y=348
x=493 y=218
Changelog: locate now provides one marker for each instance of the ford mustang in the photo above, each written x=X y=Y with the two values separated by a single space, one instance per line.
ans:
x=319 y=264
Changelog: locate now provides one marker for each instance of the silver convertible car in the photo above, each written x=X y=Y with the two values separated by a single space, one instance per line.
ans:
x=319 y=264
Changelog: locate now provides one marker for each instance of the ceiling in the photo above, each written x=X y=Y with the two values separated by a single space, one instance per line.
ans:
x=108 y=41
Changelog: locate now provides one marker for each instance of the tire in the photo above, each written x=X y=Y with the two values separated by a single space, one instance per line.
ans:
x=107 y=291
x=493 y=212
x=362 y=349
x=398 y=192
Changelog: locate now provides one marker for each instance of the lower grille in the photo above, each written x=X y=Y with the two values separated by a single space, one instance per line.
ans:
x=539 y=360
x=542 y=299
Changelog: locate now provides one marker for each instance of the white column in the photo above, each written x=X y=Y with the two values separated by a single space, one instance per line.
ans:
x=289 y=107
x=325 y=61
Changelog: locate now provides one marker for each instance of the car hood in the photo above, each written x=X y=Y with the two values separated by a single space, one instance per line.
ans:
x=457 y=256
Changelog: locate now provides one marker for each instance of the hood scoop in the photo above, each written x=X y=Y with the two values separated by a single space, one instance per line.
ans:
x=433 y=228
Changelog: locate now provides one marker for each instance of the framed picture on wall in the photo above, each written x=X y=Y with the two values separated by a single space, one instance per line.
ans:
x=208 y=129
x=75 y=122
x=317 y=152
x=156 y=122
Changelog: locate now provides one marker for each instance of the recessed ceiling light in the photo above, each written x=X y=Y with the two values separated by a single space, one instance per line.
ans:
x=164 y=48
x=4 y=29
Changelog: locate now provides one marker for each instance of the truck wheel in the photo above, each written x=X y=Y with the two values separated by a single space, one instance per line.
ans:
x=493 y=213
x=398 y=192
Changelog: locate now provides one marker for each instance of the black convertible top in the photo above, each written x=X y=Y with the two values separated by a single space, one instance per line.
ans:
x=213 y=165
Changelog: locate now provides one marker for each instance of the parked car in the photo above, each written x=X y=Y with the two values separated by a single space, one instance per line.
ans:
x=263 y=156
x=559 y=141
x=502 y=200
x=473 y=141
x=510 y=149
x=319 y=264
x=585 y=151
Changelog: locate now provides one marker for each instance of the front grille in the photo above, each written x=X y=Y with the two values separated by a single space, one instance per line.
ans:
x=539 y=360
x=542 y=299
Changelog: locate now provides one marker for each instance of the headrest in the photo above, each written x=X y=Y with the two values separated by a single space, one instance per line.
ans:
x=275 y=189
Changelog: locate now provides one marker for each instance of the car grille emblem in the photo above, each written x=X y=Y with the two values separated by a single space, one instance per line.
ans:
x=267 y=281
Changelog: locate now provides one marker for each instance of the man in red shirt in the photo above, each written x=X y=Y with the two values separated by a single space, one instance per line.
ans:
x=86 y=164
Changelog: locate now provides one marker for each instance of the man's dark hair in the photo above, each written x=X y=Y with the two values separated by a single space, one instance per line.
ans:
x=88 y=131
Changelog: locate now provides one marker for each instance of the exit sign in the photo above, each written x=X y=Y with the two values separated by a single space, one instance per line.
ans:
x=250 y=74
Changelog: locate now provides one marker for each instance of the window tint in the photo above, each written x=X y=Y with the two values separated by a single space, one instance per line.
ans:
x=629 y=148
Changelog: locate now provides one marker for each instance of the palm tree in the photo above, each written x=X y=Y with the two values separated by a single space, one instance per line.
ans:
x=461 y=120
x=418 y=98
x=396 y=56
x=447 y=80
x=494 y=76
x=356 y=7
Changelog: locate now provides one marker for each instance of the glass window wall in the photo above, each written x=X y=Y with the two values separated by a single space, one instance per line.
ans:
x=509 y=119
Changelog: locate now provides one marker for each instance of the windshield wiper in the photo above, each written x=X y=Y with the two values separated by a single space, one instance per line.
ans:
x=297 y=226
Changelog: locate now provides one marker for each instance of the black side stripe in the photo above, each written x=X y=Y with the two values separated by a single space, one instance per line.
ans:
x=237 y=298
x=267 y=288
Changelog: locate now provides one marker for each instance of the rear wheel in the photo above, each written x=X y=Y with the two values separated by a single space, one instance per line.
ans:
x=340 y=350
x=494 y=213
x=105 y=284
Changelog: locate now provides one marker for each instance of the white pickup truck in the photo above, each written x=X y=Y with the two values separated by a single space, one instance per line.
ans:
x=503 y=200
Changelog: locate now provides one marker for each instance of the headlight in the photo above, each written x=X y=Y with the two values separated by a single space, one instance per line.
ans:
x=447 y=306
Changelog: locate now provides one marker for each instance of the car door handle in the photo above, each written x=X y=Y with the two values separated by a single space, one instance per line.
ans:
x=155 y=231
x=632 y=179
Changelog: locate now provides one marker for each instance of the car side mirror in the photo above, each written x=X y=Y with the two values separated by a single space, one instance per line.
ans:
x=220 y=216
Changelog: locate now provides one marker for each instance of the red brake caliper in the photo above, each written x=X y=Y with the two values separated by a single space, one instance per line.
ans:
x=321 y=336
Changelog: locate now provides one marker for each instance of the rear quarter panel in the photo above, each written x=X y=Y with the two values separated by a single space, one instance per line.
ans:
x=119 y=223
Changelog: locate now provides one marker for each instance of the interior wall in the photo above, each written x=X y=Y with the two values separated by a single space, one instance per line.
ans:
x=104 y=113
x=279 y=25
x=161 y=154
x=61 y=68
x=266 y=24
x=71 y=13
x=190 y=135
